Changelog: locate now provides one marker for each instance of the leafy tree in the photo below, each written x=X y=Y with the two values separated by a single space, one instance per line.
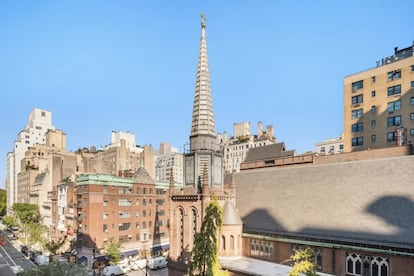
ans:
x=36 y=233
x=205 y=252
x=26 y=213
x=114 y=251
x=10 y=221
x=60 y=268
x=304 y=264
x=54 y=246
x=3 y=202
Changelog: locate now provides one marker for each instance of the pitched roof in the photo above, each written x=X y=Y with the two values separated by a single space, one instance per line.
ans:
x=268 y=152
x=230 y=215
x=142 y=176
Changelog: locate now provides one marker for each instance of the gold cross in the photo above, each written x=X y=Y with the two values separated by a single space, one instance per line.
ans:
x=203 y=20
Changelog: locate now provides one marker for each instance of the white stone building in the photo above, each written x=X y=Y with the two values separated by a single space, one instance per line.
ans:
x=235 y=149
x=168 y=158
x=331 y=146
x=40 y=121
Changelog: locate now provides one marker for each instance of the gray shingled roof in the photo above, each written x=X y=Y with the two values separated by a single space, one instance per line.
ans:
x=268 y=152
x=370 y=201
x=230 y=216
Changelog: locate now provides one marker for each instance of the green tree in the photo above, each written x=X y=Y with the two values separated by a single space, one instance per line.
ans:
x=204 y=257
x=114 y=251
x=3 y=202
x=36 y=233
x=54 y=246
x=26 y=213
x=60 y=268
x=304 y=263
x=10 y=221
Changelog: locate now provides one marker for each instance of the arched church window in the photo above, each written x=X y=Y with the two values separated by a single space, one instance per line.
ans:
x=231 y=242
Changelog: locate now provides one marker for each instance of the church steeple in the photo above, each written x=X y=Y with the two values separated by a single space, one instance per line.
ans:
x=203 y=129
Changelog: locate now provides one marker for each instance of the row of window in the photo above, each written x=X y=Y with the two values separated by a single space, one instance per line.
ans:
x=392 y=136
x=127 y=202
x=126 y=190
x=392 y=75
x=360 y=265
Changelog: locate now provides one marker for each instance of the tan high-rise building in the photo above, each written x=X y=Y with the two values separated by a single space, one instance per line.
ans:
x=379 y=104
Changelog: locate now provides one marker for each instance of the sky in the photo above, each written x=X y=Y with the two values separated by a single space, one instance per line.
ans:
x=103 y=66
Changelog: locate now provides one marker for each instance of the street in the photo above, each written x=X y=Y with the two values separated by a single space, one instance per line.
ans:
x=158 y=272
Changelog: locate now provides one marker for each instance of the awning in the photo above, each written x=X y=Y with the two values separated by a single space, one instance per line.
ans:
x=160 y=247
x=129 y=253
x=101 y=258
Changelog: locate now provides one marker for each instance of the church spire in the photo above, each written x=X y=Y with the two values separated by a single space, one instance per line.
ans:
x=203 y=129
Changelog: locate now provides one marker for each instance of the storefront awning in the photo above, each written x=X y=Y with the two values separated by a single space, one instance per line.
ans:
x=129 y=253
x=160 y=247
x=101 y=258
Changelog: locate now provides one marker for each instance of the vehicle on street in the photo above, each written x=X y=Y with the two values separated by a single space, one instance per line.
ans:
x=157 y=262
x=33 y=254
x=112 y=270
x=24 y=250
x=41 y=259
x=138 y=264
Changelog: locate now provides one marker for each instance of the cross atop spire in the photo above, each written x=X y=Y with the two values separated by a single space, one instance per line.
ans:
x=203 y=20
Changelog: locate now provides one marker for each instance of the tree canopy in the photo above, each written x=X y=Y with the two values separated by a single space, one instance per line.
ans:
x=60 y=268
x=114 y=251
x=26 y=213
x=304 y=264
x=204 y=257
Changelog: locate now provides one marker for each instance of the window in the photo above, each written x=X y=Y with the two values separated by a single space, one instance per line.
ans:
x=322 y=149
x=373 y=93
x=412 y=68
x=357 y=141
x=357 y=127
x=137 y=202
x=137 y=213
x=105 y=215
x=394 y=75
x=412 y=132
x=124 y=226
x=394 y=90
x=373 y=79
x=357 y=99
x=105 y=228
x=412 y=100
x=124 y=214
x=394 y=121
x=373 y=138
x=373 y=123
x=105 y=202
x=391 y=136
x=105 y=189
x=358 y=113
x=138 y=190
x=411 y=116
x=357 y=85
x=393 y=106
x=125 y=202
x=366 y=265
x=373 y=109
x=412 y=84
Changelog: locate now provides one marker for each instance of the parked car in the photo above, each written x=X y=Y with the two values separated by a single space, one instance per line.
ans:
x=112 y=270
x=33 y=254
x=157 y=262
x=138 y=264
x=41 y=259
x=24 y=250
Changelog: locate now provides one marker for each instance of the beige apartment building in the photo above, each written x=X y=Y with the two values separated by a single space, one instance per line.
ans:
x=124 y=154
x=379 y=104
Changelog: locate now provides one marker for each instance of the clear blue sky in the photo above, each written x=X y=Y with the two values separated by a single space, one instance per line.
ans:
x=126 y=65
